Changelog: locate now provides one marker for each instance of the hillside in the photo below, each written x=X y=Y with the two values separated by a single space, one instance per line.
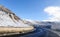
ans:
x=9 y=22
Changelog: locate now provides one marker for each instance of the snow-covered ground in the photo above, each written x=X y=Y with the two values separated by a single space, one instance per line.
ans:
x=6 y=20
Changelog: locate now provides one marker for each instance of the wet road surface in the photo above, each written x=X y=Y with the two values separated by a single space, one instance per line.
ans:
x=39 y=32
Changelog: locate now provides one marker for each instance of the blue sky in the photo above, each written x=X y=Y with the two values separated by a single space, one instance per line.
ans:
x=30 y=9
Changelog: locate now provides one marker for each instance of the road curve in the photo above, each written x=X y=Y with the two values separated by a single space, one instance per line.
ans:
x=39 y=32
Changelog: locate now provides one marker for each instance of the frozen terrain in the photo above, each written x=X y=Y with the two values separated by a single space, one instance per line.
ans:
x=7 y=18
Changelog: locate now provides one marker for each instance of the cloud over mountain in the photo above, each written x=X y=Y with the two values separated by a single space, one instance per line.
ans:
x=53 y=12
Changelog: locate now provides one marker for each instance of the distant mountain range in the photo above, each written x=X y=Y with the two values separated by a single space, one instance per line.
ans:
x=54 y=25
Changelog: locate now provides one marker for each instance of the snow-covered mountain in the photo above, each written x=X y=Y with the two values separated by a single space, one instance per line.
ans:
x=8 y=18
x=54 y=25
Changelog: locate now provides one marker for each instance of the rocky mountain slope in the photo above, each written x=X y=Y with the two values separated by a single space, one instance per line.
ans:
x=8 y=18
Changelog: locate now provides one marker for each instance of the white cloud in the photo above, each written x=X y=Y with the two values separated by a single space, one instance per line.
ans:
x=53 y=12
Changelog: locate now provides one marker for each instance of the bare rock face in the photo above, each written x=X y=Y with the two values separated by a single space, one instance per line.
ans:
x=8 y=18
